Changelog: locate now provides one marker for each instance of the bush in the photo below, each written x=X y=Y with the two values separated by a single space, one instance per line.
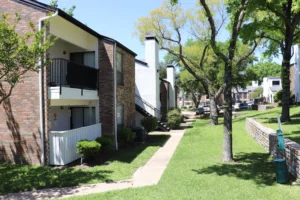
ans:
x=278 y=96
x=183 y=107
x=149 y=123
x=174 y=119
x=107 y=142
x=88 y=148
x=126 y=136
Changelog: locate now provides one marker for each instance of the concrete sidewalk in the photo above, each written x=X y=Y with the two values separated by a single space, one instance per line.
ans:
x=147 y=175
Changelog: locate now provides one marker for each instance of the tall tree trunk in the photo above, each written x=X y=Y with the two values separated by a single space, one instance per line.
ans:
x=227 y=142
x=213 y=111
x=285 y=77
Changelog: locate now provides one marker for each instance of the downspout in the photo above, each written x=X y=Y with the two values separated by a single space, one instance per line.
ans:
x=41 y=91
x=115 y=96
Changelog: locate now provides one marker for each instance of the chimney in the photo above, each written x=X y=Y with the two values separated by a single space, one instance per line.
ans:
x=171 y=80
x=152 y=58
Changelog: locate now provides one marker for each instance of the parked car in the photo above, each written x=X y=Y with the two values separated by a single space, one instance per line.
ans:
x=236 y=106
x=206 y=109
x=200 y=111
x=243 y=106
x=250 y=103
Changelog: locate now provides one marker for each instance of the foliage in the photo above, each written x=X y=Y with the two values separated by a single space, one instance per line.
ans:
x=174 y=119
x=119 y=165
x=198 y=158
x=126 y=136
x=265 y=69
x=257 y=92
x=19 y=54
x=279 y=21
x=278 y=96
x=70 y=11
x=107 y=142
x=88 y=148
x=149 y=123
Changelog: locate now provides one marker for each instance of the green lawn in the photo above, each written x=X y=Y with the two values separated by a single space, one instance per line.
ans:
x=119 y=166
x=290 y=129
x=197 y=172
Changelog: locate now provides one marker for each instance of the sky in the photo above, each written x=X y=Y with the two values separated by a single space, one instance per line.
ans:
x=116 y=19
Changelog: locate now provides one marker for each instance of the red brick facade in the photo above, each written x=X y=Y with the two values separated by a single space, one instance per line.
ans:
x=19 y=125
x=125 y=93
x=106 y=86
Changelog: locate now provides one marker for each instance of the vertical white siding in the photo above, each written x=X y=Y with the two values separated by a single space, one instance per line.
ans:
x=63 y=143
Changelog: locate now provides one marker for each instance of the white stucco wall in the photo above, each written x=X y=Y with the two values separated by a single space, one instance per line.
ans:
x=62 y=121
x=171 y=80
x=70 y=33
x=147 y=76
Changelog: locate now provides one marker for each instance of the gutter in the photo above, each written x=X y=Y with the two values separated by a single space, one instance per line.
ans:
x=115 y=96
x=41 y=92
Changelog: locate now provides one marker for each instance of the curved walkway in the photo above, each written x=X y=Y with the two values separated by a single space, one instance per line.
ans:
x=147 y=175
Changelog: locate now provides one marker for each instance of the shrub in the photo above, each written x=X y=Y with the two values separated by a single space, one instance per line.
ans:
x=149 y=123
x=278 y=96
x=183 y=107
x=107 y=142
x=174 y=119
x=126 y=136
x=88 y=148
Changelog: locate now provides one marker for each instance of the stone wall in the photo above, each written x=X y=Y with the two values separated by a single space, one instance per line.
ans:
x=20 y=140
x=268 y=139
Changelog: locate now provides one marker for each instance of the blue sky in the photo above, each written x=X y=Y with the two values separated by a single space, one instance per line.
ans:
x=116 y=18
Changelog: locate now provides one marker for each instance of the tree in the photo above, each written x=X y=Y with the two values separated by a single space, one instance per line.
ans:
x=280 y=22
x=167 y=24
x=265 y=69
x=257 y=92
x=19 y=53
x=238 y=12
x=192 y=87
x=70 y=11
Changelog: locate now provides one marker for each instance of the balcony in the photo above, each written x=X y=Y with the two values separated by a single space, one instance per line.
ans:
x=69 y=80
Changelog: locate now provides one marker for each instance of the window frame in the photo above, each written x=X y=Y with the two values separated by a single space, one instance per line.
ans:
x=120 y=72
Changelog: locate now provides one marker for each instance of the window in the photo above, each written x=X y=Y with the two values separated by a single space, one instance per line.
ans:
x=83 y=117
x=120 y=72
x=245 y=95
x=275 y=83
x=84 y=58
x=120 y=115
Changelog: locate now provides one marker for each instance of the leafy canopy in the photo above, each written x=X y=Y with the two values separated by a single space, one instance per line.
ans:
x=19 y=53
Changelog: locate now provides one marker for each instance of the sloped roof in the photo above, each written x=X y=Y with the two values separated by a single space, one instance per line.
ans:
x=61 y=13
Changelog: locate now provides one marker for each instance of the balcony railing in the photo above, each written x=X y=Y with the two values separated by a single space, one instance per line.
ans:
x=69 y=74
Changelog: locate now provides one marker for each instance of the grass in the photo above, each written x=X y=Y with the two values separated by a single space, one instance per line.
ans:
x=119 y=166
x=290 y=129
x=196 y=170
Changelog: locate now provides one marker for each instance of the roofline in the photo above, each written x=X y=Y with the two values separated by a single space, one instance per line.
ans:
x=170 y=66
x=61 y=13
x=163 y=80
x=37 y=4
x=151 y=37
x=76 y=22
x=141 y=62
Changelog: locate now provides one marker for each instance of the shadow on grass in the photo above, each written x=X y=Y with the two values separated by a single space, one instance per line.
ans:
x=127 y=155
x=256 y=167
x=17 y=178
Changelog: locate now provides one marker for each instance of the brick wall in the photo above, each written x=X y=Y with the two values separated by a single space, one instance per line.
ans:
x=19 y=125
x=268 y=139
x=292 y=77
x=106 y=86
x=126 y=92
x=164 y=94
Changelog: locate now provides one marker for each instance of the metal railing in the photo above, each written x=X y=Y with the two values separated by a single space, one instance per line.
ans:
x=66 y=73
x=141 y=102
